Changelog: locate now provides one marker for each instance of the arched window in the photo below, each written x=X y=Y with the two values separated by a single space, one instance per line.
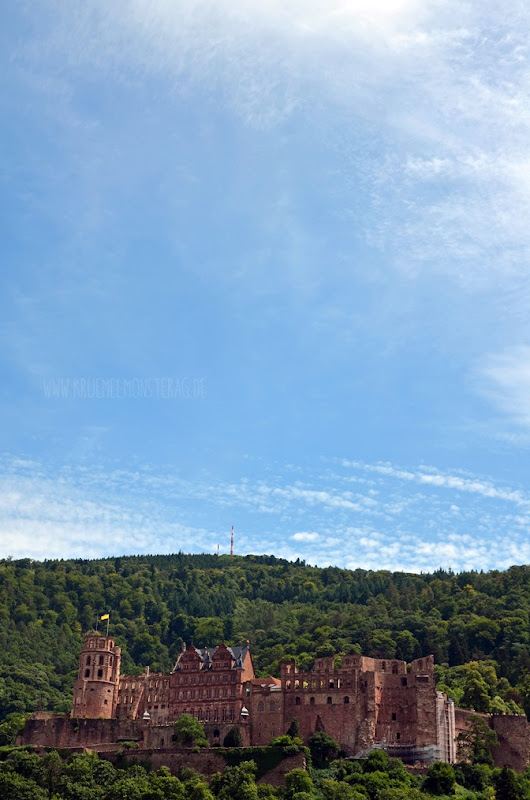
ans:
x=346 y=700
x=329 y=701
x=394 y=669
x=261 y=706
x=272 y=706
x=311 y=701
x=199 y=714
x=297 y=701
x=216 y=734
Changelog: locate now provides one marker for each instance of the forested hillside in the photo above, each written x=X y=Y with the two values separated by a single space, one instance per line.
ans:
x=475 y=624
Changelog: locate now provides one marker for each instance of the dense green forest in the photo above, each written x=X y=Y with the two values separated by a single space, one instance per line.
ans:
x=26 y=776
x=475 y=624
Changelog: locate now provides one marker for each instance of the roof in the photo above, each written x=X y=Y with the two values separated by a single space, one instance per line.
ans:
x=238 y=655
x=269 y=681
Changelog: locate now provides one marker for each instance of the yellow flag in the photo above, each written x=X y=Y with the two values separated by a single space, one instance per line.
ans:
x=105 y=616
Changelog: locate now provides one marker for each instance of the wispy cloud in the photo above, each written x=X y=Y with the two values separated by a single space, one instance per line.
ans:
x=89 y=512
x=431 y=477
x=505 y=378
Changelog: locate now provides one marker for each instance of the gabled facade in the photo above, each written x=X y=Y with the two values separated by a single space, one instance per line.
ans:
x=361 y=702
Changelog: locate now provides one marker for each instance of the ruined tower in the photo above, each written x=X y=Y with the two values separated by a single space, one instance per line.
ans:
x=96 y=687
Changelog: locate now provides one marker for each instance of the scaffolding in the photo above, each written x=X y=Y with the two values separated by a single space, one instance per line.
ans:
x=408 y=753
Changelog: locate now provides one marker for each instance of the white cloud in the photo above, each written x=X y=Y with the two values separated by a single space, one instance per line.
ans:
x=456 y=482
x=505 y=379
x=305 y=536
x=69 y=511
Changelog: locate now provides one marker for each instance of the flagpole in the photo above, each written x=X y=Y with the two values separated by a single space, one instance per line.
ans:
x=108 y=620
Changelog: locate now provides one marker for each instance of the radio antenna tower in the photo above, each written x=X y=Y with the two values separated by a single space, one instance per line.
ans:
x=232 y=542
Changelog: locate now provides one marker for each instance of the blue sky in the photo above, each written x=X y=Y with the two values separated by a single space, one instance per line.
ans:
x=266 y=264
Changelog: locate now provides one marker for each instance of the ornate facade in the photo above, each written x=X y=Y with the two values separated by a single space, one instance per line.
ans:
x=362 y=703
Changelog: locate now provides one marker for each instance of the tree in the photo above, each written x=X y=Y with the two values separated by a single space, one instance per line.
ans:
x=440 y=779
x=476 y=694
x=12 y=724
x=233 y=738
x=476 y=743
x=238 y=781
x=296 y=781
x=189 y=732
x=323 y=748
x=294 y=729
x=507 y=785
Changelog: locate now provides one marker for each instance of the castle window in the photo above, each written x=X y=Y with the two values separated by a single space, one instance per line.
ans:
x=346 y=701
x=329 y=701
x=331 y=684
x=394 y=715
x=394 y=669
x=87 y=673
x=216 y=734
x=231 y=714
x=403 y=681
x=199 y=714
x=398 y=736
x=88 y=661
x=311 y=701
x=101 y=659
x=224 y=714
x=297 y=701
x=105 y=702
x=272 y=705
x=216 y=715
x=225 y=692
x=100 y=673
x=347 y=662
x=161 y=742
x=261 y=706
x=383 y=666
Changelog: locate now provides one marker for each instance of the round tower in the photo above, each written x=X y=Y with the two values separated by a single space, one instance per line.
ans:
x=96 y=687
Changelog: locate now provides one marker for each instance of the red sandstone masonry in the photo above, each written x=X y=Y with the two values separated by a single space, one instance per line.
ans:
x=362 y=703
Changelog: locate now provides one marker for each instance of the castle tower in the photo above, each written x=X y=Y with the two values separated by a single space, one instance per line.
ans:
x=96 y=687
